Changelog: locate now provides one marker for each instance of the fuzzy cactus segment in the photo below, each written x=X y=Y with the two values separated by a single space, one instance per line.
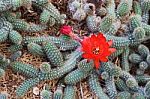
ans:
x=35 y=49
x=15 y=56
x=124 y=95
x=125 y=62
x=139 y=33
x=45 y=94
x=26 y=69
x=26 y=85
x=60 y=71
x=45 y=67
x=15 y=37
x=143 y=50
x=69 y=92
x=135 y=58
x=80 y=73
x=53 y=54
x=105 y=24
x=20 y=24
x=92 y=23
x=15 y=47
x=58 y=94
x=137 y=8
x=2 y=73
x=123 y=9
x=147 y=89
x=121 y=85
x=95 y=87
x=111 y=88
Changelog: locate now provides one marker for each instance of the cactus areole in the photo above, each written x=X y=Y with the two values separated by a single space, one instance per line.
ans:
x=96 y=47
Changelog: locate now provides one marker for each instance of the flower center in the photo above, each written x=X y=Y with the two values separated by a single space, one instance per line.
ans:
x=96 y=50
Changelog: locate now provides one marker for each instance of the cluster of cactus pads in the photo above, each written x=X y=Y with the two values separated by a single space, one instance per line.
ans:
x=125 y=76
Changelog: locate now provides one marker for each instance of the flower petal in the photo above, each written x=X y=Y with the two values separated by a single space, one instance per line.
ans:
x=110 y=42
x=112 y=50
x=97 y=64
x=103 y=59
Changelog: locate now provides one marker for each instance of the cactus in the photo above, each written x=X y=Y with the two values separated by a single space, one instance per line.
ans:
x=143 y=65
x=3 y=96
x=41 y=39
x=15 y=56
x=35 y=28
x=58 y=94
x=15 y=47
x=140 y=72
x=68 y=45
x=69 y=92
x=105 y=24
x=143 y=50
x=53 y=54
x=2 y=57
x=15 y=37
x=5 y=5
x=51 y=21
x=125 y=62
x=142 y=78
x=148 y=59
x=132 y=84
x=111 y=8
x=2 y=73
x=101 y=11
x=147 y=89
x=45 y=94
x=146 y=5
x=116 y=71
x=135 y=58
x=117 y=53
x=35 y=49
x=111 y=88
x=79 y=15
x=92 y=23
x=79 y=74
x=125 y=22
x=139 y=33
x=121 y=85
x=138 y=96
x=118 y=41
x=26 y=85
x=75 y=76
x=95 y=86
x=45 y=16
x=114 y=28
x=59 y=72
x=3 y=35
x=145 y=17
x=135 y=21
x=4 y=64
x=45 y=67
x=137 y=8
x=124 y=95
x=86 y=66
x=123 y=9
x=53 y=12
x=41 y=2
x=26 y=69
x=20 y=24
x=107 y=66
x=146 y=28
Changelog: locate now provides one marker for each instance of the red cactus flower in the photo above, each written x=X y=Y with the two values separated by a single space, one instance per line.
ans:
x=66 y=29
x=97 y=48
